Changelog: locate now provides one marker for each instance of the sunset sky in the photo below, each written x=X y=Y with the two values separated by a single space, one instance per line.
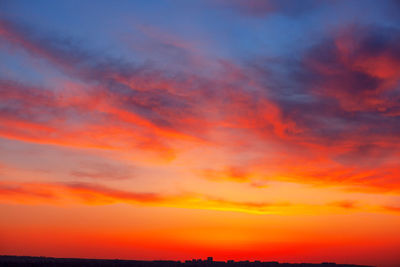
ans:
x=179 y=129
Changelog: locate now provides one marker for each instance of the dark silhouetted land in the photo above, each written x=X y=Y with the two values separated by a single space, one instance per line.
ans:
x=11 y=261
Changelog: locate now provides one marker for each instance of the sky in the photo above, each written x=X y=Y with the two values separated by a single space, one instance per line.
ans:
x=176 y=129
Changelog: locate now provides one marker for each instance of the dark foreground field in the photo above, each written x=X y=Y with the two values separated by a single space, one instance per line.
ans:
x=11 y=261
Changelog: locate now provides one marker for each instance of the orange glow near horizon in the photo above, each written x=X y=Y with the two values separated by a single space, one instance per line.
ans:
x=220 y=131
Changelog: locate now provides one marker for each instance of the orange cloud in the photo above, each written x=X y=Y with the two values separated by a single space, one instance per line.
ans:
x=340 y=131
x=236 y=174
x=95 y=194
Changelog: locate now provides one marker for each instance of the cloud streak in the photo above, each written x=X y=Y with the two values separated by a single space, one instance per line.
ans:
x=95 y=194
x=336 y=126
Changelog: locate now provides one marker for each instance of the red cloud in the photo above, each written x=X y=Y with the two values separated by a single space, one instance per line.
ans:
x=346 y=110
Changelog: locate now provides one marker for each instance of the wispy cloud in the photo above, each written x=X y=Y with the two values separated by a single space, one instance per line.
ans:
x=60 y=193
x=330 y=120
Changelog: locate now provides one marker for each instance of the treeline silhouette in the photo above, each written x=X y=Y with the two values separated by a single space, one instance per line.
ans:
x=16 y=261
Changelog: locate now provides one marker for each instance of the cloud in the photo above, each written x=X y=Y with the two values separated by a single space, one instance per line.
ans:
x=365 y=155
x=102 y=171
x=236 y=174
x=248 y=206
x=64 y=193
x=58 y=50
x=357 y=68
x=331 y=119
x=340 y=100
x=82 y=192
x=261 y=8
x=392 y=209
x=21 y=193
x=345 y=204
x=145 y=106
x=95 y=194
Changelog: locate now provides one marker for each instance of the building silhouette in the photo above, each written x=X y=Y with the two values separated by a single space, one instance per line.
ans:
x=19 y=261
